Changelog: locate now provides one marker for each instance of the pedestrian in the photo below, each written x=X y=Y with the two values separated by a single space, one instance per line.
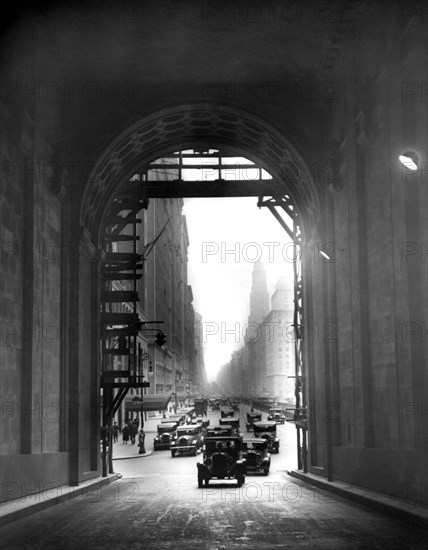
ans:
x=115 y=432
x=141 y=440
x=125 y=435
x=133 y=430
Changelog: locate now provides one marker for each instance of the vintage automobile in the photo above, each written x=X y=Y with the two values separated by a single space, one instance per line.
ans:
x=179 y=418
x=226 y=412
x=267 y=430
x=222 y=459
x=223 y=430
x=166 y=433
x=276 y=415
x=231 y=421
x=188 y=413
x=215 y=404
x=252 y=417
x=170 y=421
x=256 y=454
x=188 y=440
x=201 y=407
x=200 y=420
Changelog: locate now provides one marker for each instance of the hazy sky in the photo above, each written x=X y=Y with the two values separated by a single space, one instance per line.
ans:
x=226 y=237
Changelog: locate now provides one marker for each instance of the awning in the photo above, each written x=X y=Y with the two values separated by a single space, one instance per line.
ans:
x=156 y=402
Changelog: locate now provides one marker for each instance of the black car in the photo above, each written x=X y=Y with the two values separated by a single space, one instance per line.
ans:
x=251 y=418
x=166 y=433
x=231 y=421
x=226 y=412
x=188 y=413
x=179 y=418
x=222 y=459
x=276 y=415
x=216 y=431
x=267 y=430
x=256 y=454
x=188 y=440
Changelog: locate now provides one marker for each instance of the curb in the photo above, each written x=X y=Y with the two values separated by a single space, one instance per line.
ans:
x=416 y=513
x=136 y=456
x=72 y=492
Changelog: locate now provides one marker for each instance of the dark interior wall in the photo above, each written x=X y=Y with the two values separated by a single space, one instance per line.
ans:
x=374 y=412
x=33 y=405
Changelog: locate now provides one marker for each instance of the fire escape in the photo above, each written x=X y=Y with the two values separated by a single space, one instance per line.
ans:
x=155 y=186
x=120 y=323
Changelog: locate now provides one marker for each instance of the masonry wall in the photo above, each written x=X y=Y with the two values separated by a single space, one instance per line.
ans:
x=33 y=454
x=367 y=385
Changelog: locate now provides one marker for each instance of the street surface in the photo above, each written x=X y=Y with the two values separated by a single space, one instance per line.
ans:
x=157 y=505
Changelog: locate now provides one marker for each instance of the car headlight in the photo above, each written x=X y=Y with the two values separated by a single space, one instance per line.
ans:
x=173 y=442
x=194 y=442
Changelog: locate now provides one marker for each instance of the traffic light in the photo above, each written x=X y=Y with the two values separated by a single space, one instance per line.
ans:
x=160 y=339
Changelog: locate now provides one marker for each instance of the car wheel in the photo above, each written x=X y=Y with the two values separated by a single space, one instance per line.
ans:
x=195 y=451
x=266 y=472
x=241 y=480
x=172 y=454
x=200 y=482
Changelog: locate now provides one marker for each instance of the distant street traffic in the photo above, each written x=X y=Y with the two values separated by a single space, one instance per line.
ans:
x=157 y=505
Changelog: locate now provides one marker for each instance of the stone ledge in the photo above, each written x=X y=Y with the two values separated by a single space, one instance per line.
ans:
x=14 y=510
x=412 y=511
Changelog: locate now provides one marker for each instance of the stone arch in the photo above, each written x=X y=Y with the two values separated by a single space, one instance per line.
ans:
x=191 y=125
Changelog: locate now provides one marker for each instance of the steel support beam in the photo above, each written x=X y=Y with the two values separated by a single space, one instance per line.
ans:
x=208 y=189
x=292 y=228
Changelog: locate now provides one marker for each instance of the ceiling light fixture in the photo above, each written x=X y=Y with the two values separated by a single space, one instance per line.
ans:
x=409 y=160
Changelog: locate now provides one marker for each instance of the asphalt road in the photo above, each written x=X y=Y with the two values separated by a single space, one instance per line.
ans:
x=157 y=505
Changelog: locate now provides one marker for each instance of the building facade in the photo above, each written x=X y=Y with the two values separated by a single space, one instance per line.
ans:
x=278 y=335
x=265 y=365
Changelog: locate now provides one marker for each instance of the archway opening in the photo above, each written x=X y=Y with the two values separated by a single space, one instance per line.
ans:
x=214 y=144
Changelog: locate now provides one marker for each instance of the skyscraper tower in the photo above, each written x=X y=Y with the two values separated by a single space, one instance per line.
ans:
x=259 y=308
x=259 y=297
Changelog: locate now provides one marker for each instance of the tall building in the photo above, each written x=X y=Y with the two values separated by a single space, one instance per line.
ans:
x=165 y=298
x=259 y=307
x=265 y=365
x=279 y=342
x=200 y=376
x=259 y=297
x=168 y=295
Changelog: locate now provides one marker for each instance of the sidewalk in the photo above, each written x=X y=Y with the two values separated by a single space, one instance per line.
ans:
x=19 y=508
x=13 y=510
x=123 y=451
x=411 y=511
